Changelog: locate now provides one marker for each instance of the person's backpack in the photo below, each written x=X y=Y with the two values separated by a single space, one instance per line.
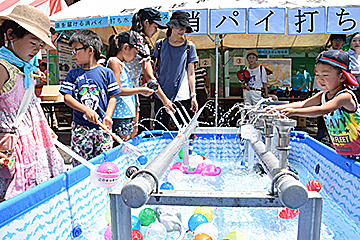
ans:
x=188 y=44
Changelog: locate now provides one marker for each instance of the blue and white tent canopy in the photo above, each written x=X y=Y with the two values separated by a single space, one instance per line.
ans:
x=246 y=23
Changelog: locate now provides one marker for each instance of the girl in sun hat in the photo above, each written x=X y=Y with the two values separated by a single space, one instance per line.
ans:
x=35 y=158
x=176 y=58
x=339 y=106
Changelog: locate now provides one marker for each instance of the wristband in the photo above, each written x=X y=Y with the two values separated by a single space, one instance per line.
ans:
x=192 y=95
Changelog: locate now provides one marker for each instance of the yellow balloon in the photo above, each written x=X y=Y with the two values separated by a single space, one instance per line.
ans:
x=235 y=236
x=206 y=211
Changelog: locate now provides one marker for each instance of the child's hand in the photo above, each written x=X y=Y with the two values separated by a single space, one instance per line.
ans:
x=288 y=112
x=145 y=91
x=107 y=122
x=91 y=115
x=169 y=107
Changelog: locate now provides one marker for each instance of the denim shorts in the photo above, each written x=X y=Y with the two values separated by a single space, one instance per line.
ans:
x=122 y=127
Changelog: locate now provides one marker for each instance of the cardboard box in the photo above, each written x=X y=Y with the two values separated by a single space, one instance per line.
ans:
x=51 y=93
x=301 y=121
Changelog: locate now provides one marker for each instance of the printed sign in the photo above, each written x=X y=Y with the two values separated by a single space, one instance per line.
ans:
x=198 y=20
x=343 y=20
x=123 y=20
x=205 y=62
x=306 y=21
x=266 y=20
x=81 y=23
x=239 y=61
x=278 y=51
x=281 y=76
x=226 y=21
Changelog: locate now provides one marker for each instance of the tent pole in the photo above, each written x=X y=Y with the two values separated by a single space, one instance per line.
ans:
x=216 y=40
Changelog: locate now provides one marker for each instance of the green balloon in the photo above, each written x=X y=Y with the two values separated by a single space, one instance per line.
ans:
x=181 y=153
x=147 y=216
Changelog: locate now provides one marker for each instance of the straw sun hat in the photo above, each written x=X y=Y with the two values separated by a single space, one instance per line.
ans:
x=33 y=20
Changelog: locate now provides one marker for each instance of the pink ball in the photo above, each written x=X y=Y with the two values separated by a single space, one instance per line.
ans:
x=108 y=233
x=108 y=167
x=106 y=175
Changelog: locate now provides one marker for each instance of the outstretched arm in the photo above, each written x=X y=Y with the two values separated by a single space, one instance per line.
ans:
x=344 y=100
x=148 y=72
x=313 y=101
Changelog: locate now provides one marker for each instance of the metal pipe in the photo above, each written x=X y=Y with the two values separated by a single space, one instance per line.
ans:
x=292 y=193
x=284 y=126
x=268 y=130
x=137 y=191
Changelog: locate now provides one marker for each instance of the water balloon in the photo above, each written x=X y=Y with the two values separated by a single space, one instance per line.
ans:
x=147 y=216
x=206 y=211
x=156 y=231
x=209 y=229
x=196 y=220
x=313 y=185
x=166 y=186
x=174 y=176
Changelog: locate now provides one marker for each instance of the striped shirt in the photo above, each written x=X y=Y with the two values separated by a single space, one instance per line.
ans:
x=200 y=82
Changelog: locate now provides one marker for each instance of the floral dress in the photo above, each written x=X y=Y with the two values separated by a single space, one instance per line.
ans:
x=36 y=157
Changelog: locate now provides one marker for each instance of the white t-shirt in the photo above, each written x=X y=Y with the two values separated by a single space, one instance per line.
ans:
x=184 y=90
x=256 y=78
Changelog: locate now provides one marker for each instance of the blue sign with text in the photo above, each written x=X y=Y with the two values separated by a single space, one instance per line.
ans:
x=81 y=23
x=266 y=20
x=198 y=20
x=227 y=21
x=343 y=20
x=306 y=21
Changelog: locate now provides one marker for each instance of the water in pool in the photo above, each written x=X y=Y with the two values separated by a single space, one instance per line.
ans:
x=254 y=223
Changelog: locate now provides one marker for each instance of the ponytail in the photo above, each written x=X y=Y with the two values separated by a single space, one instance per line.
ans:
x=137 y=23
x=113 y=48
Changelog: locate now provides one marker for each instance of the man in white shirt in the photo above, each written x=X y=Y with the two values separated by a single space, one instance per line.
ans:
x=258 y=79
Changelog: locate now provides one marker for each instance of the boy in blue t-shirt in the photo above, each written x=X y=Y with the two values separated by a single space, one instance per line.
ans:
x=90 y=90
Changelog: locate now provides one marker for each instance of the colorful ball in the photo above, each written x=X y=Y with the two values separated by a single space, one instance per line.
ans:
x=142 y=159
x=108 y=233
x=108 y=216
x=166 y=186
x=202 y=236
x=181 y=153
x=135 y=223
x=156 y=231
x=196 y=220
x=175 y=176
x=106 y=175
x=201 y=152
x=137 y=235
x=235 y=236
x=147 y=216
x=206 y=211
x=313 y=185
x=209 y=229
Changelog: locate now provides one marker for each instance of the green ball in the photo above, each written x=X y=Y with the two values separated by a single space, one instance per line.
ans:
x=147 y=216
x=108 y=216
x=181 y=154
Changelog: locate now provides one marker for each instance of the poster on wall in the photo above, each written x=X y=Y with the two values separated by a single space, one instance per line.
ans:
x=281 y=77
x=65 y=60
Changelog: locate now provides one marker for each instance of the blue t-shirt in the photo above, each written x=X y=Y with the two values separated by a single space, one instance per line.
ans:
x=298 y=80
x=173 y=66
x=125 y=105
x=91 y=87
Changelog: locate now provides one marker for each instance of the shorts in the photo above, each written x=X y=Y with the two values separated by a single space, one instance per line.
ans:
x=122 y=126
x=89 y=142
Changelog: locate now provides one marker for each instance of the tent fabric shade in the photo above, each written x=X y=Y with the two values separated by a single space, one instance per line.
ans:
x=49 y=7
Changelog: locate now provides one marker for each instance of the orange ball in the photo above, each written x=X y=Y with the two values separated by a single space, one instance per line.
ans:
x=313 y=185
x=202 y=236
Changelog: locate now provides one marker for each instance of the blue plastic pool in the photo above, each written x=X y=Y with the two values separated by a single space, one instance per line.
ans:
x=52 y=209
